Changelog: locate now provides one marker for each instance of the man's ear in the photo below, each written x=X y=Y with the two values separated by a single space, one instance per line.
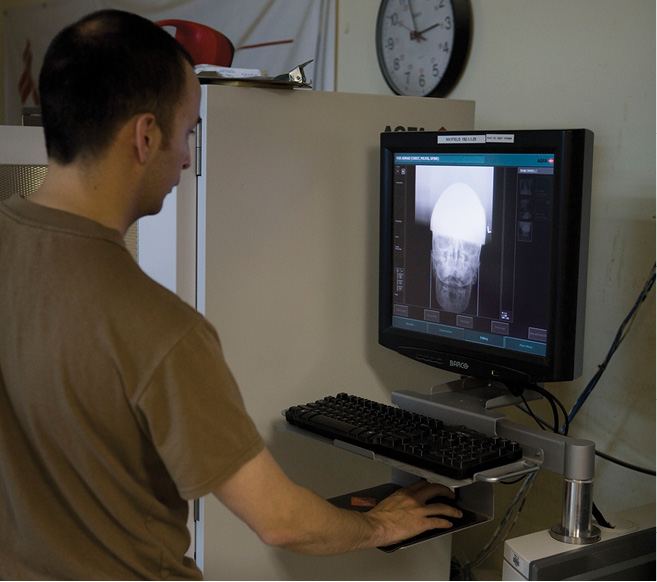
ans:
x=147 y=136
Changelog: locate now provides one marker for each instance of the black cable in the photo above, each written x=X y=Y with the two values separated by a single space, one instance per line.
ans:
x=542 y=423
x=599 y=517
x=555 y=414
x=554 y=402
x=552 y=397
x=529 y=411
x=625 y=464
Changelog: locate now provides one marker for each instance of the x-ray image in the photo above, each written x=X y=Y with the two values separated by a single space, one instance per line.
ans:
x=456 y=203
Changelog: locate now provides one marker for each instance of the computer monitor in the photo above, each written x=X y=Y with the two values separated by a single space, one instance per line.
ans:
x=483 y=251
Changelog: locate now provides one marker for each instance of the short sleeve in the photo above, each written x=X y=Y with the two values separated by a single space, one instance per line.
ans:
x=194 y=414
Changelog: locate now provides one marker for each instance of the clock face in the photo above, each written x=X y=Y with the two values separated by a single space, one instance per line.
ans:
x=422 y=45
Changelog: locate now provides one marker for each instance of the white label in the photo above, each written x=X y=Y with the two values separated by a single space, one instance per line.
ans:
x=500 y=137
x=462 y=138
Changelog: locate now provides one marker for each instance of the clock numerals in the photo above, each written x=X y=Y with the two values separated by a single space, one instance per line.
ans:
x=421 y=80
x=393 y=19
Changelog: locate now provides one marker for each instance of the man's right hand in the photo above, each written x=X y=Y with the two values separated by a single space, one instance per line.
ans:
x=405 y=513
x=290 y=516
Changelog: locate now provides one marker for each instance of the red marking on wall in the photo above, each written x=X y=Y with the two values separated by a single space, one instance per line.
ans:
x=250 y=46
x=26 y=86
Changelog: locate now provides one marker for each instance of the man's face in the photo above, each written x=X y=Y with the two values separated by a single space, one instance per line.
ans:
x=175 y=155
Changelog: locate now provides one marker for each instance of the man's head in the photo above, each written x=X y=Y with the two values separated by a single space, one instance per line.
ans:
x=100 y=72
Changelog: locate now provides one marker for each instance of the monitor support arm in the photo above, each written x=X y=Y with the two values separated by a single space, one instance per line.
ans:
x=570 y=457
x=575 y=460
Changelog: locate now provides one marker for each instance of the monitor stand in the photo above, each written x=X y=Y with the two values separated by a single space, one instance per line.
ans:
x=482 y=393
x=470 y=402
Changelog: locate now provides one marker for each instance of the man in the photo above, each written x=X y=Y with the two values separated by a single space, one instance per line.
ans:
x=116 y=405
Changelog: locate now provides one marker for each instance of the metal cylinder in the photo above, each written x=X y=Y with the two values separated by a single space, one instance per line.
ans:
x=576 y=522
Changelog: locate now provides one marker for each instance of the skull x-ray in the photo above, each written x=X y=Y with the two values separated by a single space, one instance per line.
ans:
x=456 y=203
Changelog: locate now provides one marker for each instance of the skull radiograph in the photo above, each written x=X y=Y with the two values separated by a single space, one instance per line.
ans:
x=458 y=226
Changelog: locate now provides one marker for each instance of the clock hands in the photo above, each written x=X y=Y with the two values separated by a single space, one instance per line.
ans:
x=415 y=33
x=421 y=32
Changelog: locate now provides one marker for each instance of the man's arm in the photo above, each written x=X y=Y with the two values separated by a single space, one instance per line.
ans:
x=288 y=515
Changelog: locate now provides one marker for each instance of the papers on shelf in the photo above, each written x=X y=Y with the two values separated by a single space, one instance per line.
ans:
x=226 y=72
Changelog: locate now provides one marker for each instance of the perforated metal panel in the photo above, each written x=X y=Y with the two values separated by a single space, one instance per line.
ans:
x=131 y=239
x=25 y=179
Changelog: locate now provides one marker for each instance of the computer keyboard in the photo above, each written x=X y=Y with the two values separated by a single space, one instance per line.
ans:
x=453 y=451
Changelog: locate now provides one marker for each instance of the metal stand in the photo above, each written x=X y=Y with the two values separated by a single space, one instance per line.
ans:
x=469 y=403
x=576 y=526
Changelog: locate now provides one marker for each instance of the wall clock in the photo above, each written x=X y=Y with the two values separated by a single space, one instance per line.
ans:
x=423 y=45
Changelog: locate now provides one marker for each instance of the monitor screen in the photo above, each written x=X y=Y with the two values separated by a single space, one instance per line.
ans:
x=483 y=250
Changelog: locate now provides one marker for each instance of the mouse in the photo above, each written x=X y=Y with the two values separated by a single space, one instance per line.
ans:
x=452 y=503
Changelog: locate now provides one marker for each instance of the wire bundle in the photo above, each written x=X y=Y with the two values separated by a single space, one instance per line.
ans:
x=623 y=330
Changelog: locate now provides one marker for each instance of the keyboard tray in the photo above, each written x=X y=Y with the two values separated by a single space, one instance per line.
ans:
x=366 y=499
x=511 y=471
x=456 y=452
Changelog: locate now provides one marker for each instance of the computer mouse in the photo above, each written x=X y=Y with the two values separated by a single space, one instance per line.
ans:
x=447 y=501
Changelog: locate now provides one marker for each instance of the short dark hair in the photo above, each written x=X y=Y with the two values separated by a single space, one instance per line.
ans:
x=101 y=71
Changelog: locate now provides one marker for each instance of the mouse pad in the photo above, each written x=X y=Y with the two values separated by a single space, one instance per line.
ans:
x=366 y=499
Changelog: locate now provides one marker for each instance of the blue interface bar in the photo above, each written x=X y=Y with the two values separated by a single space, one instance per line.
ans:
x=478 y=337
x=529 y=160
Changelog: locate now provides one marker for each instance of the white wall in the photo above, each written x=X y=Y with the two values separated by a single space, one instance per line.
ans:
x=590 y=63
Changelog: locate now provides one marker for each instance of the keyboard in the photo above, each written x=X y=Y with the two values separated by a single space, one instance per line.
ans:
x=422 y=441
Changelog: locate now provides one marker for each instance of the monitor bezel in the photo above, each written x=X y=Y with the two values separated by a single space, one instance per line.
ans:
x=570 y=209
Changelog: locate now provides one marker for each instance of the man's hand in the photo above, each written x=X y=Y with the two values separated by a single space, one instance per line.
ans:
x=290 y=516
x=405 y=513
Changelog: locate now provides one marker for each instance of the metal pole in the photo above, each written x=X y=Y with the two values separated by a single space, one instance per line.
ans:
x=576 y=525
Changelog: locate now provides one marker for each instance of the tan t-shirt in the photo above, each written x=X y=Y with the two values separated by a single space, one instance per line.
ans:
x=116 y=406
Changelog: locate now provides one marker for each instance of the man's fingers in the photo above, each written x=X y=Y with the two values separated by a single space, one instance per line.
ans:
x=439 y=523
x=424 y=491
x=443 y=509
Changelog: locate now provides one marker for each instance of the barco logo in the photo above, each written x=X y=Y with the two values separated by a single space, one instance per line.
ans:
x=457 y=364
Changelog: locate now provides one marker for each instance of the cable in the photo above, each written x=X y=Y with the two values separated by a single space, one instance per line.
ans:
x=539 y=421
x=500 y=534
x=599 y=517
x=620 y=336
x=625 y=464
x=542 y=423
x=554 y=400
x=554 y=403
